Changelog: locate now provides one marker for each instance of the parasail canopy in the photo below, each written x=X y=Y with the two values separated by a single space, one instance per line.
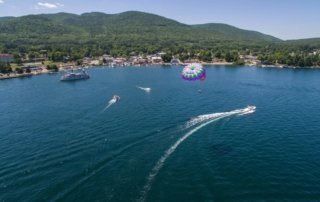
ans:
x=194 y=72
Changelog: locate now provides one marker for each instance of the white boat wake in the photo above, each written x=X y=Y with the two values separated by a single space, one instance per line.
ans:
x=147 y=90
x=206 y=117
x=111 y=102
x=114 y=99
x=203 y=120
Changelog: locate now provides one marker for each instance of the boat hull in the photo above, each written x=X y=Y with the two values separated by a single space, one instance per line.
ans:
x=74 y=77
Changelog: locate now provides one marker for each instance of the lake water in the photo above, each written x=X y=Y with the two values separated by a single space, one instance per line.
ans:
x=57 y=143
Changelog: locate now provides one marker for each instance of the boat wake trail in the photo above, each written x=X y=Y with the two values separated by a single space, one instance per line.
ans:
x=114 y=99
x=111 y=102
x=207 y=117
x=147 y=90
x=201 y=121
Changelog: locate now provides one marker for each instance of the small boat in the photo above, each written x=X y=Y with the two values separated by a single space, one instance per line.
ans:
x=72 y=76
x=249 y=110
x=116 y=98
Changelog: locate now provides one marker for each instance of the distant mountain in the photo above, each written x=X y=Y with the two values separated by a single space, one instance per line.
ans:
x=124 y=32
x=5 y=18
x=135 y=22
x=231 y=32
x=313 y=41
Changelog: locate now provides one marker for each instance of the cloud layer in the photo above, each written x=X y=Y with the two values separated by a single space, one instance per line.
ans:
x=1 y=1
x=46 y=5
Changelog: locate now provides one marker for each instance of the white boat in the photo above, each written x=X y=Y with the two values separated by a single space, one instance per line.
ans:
x=116 y=98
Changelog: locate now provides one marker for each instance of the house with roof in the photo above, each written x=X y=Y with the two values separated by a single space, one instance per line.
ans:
x=6 y=58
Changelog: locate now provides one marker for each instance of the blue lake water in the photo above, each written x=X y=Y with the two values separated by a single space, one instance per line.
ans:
x=57 y=143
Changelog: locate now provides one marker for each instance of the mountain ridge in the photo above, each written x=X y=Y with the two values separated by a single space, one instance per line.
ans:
x=207 y=26
x=95 y=33
x=137 y=18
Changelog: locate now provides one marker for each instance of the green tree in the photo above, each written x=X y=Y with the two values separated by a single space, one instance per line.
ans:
x=52 y=67
x=240 y=62
x=17 y=58
x=218 y=55
x=79 y=62
x=166 y=57
x=5 y=68
x=56 y=56
x=19 y=70
x=183 y=57
x=205 y=56
x=231 y=56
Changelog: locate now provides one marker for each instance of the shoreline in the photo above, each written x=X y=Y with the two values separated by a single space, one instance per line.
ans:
x=11 y=76
x=45 y=71
x=23 y=75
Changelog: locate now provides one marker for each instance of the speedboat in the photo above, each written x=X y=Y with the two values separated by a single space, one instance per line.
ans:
x=249 y=110
x=116 y=98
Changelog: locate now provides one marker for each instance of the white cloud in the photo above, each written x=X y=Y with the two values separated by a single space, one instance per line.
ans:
x=46 y=5
x=1 y=1
x=59 y=5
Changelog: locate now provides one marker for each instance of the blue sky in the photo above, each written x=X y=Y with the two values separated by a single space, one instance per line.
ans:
x=286 y=19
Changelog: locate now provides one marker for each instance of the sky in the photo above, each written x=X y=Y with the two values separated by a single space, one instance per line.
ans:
x=285 y=19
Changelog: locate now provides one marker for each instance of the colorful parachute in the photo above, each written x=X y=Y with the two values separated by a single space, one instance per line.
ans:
x=194 y=72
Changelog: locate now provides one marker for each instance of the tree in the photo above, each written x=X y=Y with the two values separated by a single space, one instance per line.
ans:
x=52 y=67
x=5 y=68
x=17 y=58
x=218 y=55
x=205 y=56
x=166 y=58
x=240 y=62
x=104 y=61
x=308 y=61
x=32 y=55
x=79 y=62
x=228 y=57
x=19 y=70
x=232 y=56
x=183 y=57
x=56 y=56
